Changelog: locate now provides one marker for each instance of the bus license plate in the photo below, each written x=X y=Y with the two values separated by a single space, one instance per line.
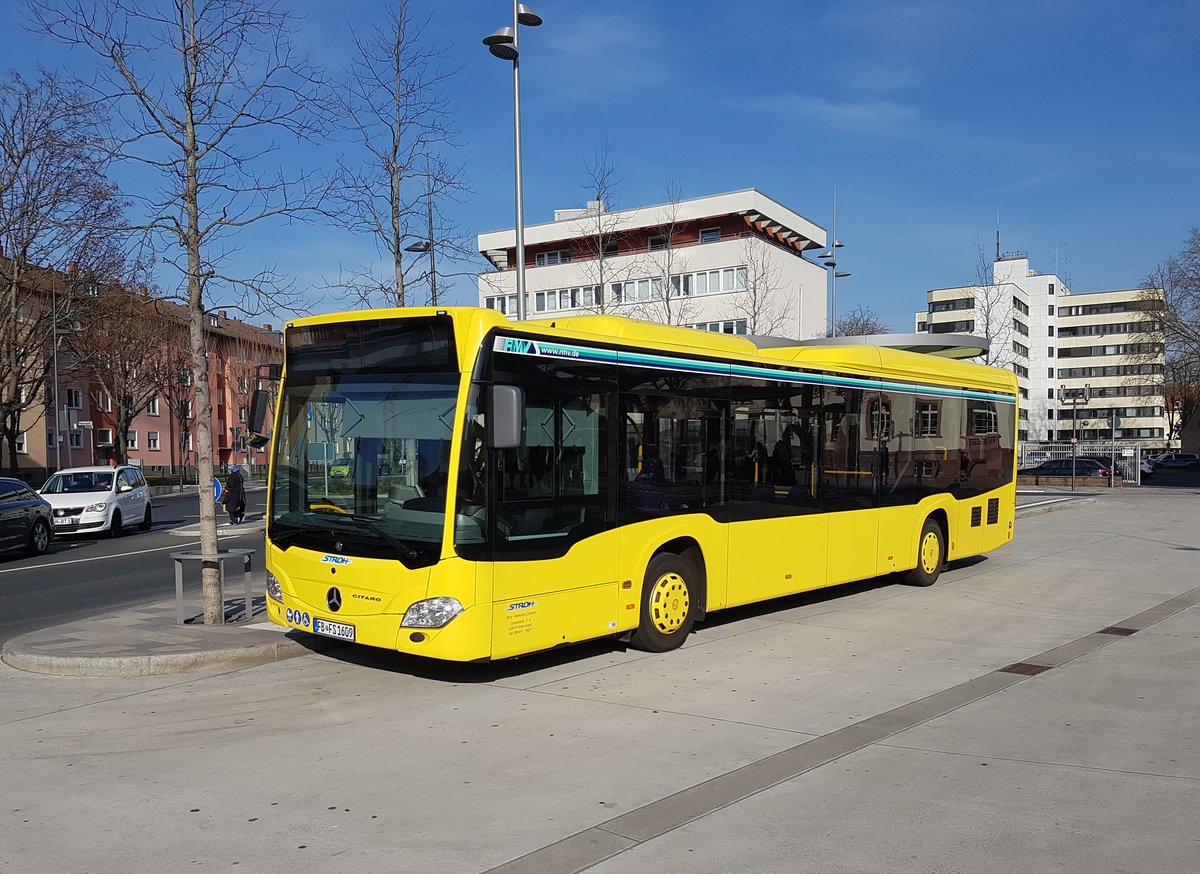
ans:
x=340 y=630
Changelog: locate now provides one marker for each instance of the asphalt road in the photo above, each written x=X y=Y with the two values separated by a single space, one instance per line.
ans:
x=87 y=574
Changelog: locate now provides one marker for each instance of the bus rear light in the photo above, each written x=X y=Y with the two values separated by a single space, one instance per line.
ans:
x=433 y=613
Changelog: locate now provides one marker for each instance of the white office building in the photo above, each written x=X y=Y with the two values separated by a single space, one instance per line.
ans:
x=1060 y=344
x=733 y=263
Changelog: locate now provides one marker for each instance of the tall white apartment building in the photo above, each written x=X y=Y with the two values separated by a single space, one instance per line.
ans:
x=733 y=263
x=1107 y=341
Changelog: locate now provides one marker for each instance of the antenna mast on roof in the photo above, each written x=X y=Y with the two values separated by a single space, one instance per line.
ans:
x=997 y=235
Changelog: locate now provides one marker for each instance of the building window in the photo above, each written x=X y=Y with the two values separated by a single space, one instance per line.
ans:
x=189 y=441
x=213 y=321
x=1050 y=394
x=1050 y=372
x=881 y=420
x=610 y=249
x=1052 y=288
x=75 y=439
x=152 y=441
x=710 y=235
x=20 y=445
x=241 y=414
x=131 y=440
x=929 y=418
x=243 y=384
x=1050 y=331
x=51 y=436
x=1049 y=351
x=548 y=259
x=152 y=407
x=1051 y=309
x=74 y=399
x=656 y=244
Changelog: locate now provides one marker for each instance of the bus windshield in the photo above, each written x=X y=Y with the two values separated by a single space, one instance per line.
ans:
x=362 y=451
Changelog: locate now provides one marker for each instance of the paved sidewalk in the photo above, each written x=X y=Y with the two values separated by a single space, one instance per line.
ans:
x=146 y=641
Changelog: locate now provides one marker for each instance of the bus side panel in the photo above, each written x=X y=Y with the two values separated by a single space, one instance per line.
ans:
x=773 y=557
x=592 y=561
x=537 y=622
x=853 y=546
x=968 y=538
x=898 y=530
x=641 y=540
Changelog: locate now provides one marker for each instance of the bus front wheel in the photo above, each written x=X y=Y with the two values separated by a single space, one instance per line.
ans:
x=931 y=555
x=668 y=603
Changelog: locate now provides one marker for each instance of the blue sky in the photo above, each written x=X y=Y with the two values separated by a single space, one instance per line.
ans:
x=1075 y=122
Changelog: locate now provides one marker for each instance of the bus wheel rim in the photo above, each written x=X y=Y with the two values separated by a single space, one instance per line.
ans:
x=669 y=602
x=930 y=553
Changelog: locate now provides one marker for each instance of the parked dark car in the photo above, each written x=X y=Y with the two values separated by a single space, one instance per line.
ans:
x=1062 y=467
x=1180 y=459
x=24 y=518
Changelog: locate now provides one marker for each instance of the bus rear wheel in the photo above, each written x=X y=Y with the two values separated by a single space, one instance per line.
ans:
x=931 y=555
x=668 y=603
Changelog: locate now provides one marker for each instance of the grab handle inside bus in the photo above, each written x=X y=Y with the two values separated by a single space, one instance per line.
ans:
x=506 y=410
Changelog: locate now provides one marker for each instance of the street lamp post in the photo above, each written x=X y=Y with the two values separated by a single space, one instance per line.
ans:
x=1075 y=397
x=834 y=274
x=503 y=44
x=426 y=245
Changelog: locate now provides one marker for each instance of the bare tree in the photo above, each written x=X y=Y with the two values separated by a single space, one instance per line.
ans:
x=176 y=384
x=665 y=262
x=56 y=209
x=600 y=232
x=862 y=321
x=120 y=351
x=762 y=303
x=203 y=87
x=392 y=101
x=1171 y=302
x=995 y=317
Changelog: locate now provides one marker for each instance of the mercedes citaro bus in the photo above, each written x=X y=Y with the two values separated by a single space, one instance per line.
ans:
x=518 y=486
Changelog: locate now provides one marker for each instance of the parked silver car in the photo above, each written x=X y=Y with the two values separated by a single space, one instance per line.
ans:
x=102 y=499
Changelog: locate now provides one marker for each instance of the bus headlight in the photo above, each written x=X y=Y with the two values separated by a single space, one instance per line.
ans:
x=273 y=589
x=433 y=613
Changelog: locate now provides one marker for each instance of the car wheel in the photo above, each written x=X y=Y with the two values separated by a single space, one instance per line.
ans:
x=114 y=530
x=39 y=538
x=668 y=603
x=147 y=520
x=931 y=555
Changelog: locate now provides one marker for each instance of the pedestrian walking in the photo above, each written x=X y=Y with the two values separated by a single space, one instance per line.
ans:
x=234 y=496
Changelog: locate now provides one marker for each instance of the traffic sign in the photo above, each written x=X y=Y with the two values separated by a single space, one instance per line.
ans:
x=216 y=489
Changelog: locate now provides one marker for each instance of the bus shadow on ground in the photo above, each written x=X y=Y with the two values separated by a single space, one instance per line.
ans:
x=489 y=672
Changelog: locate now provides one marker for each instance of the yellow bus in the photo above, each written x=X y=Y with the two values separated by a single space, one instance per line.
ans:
x=518 y=486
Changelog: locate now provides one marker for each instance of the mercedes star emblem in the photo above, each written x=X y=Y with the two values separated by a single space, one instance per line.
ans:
x=334 y=599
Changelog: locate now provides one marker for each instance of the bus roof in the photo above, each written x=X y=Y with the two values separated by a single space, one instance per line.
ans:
x=859 y=360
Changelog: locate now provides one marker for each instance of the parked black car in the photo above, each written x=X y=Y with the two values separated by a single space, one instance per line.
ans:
x=1062 y=467
x=24 y=518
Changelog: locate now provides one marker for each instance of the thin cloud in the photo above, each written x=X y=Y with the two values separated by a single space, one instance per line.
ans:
x=863 y=116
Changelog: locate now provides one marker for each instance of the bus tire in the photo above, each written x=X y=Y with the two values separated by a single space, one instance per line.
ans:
x=668 y=603
x=931 y=555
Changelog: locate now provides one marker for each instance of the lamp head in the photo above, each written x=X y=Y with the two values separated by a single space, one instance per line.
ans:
x=527 y=16
x=502 y=43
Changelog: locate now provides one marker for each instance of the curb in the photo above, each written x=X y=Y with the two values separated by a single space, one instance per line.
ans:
x=158 y=664
x=1050 y=508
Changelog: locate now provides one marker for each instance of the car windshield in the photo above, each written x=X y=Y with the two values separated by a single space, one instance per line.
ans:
x=363 y=448
x=84 y=481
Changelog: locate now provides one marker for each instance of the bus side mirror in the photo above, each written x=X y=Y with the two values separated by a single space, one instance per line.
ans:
x=506 y=414
x=259 y=402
